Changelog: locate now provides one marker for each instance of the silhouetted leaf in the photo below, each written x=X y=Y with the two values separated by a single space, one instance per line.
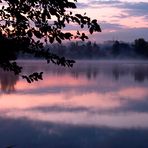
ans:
x=51 y=39
x=37 y=34
x=58 y=40
x=78 y=15
x=33 y=77
x=68 y=35
x=91 y=30
x=94 y=21
x=82 y=26
x=52 y=11
x=71 y=5
x=29 y=33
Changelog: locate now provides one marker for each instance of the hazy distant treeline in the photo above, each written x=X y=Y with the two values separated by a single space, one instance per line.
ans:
x=107 y=50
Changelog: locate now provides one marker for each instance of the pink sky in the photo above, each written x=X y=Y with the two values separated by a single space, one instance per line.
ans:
x=119 y=19
x=124 y=20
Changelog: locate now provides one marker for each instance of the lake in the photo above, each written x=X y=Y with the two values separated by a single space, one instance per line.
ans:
x=95 y=104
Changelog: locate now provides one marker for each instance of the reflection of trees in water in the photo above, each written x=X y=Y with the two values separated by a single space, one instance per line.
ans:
x=140 y=73
x=116 y=74
x=92 y=70
x=118 y=71
x=8 y=81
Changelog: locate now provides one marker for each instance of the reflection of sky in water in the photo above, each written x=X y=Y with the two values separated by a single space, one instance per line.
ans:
x=93 y=94
x=104 y=94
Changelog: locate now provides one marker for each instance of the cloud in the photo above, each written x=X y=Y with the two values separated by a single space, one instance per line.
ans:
x=131 y=8
x=122 y=16
x=82 y=5
x=119 y=19
x=141 y=6
x=110 y=26
x=128 y=35
x=96 y=4
x=115 y=31
x=105 y=2
x=135 y=9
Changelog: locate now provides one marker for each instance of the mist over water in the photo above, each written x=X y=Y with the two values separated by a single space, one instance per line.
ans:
x=94 y=104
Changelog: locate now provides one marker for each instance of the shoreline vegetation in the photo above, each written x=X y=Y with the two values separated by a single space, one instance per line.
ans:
x=109 y=50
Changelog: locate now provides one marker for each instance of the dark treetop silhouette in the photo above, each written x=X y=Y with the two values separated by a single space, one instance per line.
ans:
x=26 y=24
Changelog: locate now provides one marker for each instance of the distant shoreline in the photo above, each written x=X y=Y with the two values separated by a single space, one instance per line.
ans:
x=134 y=61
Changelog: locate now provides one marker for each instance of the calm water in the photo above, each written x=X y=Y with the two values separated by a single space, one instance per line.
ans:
x=93 y=105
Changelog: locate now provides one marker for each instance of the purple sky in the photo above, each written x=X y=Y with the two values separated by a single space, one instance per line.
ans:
x=123 y=20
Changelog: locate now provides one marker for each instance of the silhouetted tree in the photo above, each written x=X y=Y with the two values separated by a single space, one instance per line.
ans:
x=116 y=48
x=141 y=47
x=26 y=23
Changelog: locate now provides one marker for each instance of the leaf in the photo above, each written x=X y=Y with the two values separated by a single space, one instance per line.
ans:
x=29 y=33
x=78 y=33
x=51 y=40
x=52 y=11
x=98 y=28
x=27 y=78
x=76 y=20
x=82 y=25
x=45 y=40
x=43 y=17
x=37 y=34
x=67 y=19
x=91 y=30
x=78 y=15
x=68 y=35
x=33 y=77
x=40 y=76
x=94 y=21
x=48 y=16
x=61 y=35
x=71 y=5
x=58 y=40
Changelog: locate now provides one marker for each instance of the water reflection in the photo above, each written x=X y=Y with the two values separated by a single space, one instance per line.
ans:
x=8 y=81
x=88 y=70
x=94 y=103
x=54 y=135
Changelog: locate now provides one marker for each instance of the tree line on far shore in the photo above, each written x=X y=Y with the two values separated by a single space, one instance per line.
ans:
x=107 y=50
